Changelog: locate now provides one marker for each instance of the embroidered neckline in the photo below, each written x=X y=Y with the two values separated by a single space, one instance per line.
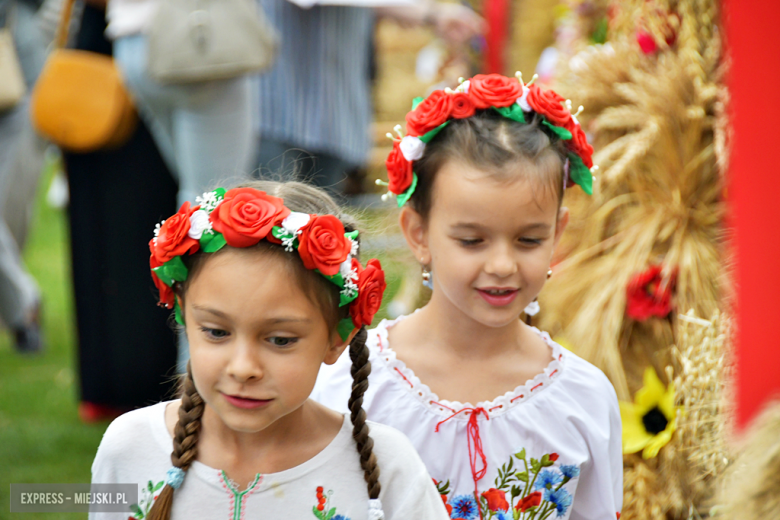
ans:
x=404 y=376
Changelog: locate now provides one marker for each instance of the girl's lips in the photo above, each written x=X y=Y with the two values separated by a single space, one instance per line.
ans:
x=243 y=402
x=499 y=300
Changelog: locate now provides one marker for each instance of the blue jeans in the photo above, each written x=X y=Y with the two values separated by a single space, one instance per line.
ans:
x=203 y=130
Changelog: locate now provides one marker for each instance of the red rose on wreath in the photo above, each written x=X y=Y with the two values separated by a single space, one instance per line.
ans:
x=494 y=90
x=245 y=216
x=462 y=105
x=429 y=114
x=579 y=143
x=173 y=240
x=550 y=105
x=496 y=499
x=532 y=500
x=371 y=286
x=322 y=244
x=166 y=293
x=648 y=295
x=399 y=170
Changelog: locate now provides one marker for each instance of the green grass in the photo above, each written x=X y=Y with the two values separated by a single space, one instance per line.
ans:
x=42 y=439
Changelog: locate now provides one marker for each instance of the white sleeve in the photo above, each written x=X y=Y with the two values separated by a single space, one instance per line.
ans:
x=407 y=488
x=105 y=466
x=599 y=493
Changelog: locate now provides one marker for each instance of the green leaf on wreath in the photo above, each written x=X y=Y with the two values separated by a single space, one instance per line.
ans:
x=345 y=328
x=402 y=198
x=346 y=299
x=513 y=112
x=416 y=101
x=430 y=135
x=562 y=133
x=213 y=243
x=352 y=235
x=580 y=174
x=177 y=313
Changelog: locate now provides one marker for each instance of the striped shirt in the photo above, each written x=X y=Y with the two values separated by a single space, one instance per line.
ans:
x=317 y=95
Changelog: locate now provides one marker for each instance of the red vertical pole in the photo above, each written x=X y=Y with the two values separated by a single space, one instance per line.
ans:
x=754 y=193
x=496 y=14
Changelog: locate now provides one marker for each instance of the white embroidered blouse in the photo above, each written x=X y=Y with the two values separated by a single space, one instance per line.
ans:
x=551 y=448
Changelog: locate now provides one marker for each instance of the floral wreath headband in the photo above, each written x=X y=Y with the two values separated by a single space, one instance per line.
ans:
x=509 y=97
x=242 y=217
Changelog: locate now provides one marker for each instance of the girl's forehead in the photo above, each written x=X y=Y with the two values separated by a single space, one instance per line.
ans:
x=465 y=192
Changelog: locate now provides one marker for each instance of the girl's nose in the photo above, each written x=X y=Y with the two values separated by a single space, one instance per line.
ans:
x=501 y=262
x=245 y=364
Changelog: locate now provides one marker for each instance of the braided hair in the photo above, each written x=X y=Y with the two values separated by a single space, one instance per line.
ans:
x=307 y=199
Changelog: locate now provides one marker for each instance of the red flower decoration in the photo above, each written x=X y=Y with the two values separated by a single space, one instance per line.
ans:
x=429 y=114
x=462 y=105
x=371 y=286
x=246 y=216
x=399 y=170
x=166 y=293
x=494 y=90
x=172 y=240
x=549 y=104
x=532 y=500
x=322 y=244
x=496 y=499
x=648 y=295
x=579 y=143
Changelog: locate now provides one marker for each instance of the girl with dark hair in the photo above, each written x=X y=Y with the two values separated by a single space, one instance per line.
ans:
x=261 y=320
x=480 y=175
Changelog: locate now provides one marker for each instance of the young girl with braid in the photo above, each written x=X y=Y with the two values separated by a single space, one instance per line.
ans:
x=480 y=175
x=267 y=283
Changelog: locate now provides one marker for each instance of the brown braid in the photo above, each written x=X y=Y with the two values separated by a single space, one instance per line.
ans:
x=361 y=368
x=185 y=443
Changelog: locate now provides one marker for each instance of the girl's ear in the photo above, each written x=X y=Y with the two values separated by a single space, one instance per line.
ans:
x=416 y=234
x=337 y=346
x=560 y=226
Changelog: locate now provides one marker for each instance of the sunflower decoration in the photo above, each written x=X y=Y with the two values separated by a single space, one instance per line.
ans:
x=650 y=421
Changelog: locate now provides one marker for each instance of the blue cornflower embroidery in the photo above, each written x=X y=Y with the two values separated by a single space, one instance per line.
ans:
x=464 y=506
x=503 y=515
x=340 y=517
x=548 y=479
x=570 y=471
x=561 y=498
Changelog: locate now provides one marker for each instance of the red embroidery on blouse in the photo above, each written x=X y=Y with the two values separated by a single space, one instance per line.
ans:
x=403 y=376
x=536 y=386
x=516 y=398
x=381 y=345
x=474 y=444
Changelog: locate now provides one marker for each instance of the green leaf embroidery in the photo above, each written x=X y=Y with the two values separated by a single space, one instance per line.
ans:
x=330 y=513
x=150 y=487
x=137 y=511
x=317 y=512
x=520 y=455
x=158 y=486
x=522 y=476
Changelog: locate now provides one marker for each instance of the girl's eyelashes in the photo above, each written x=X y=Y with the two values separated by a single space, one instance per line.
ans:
x=282 y=341
x=215 y=334
x=468 y=242
x=531 y=241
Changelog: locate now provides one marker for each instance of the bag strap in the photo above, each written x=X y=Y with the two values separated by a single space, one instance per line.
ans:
x=62 y=28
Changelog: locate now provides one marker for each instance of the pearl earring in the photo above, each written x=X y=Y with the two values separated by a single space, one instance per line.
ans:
x=427 y=277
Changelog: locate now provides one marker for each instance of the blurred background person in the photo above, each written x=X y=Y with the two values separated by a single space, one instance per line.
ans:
x=315 y=109
x=202 y=129
x=126 y=349
x=21 y=160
